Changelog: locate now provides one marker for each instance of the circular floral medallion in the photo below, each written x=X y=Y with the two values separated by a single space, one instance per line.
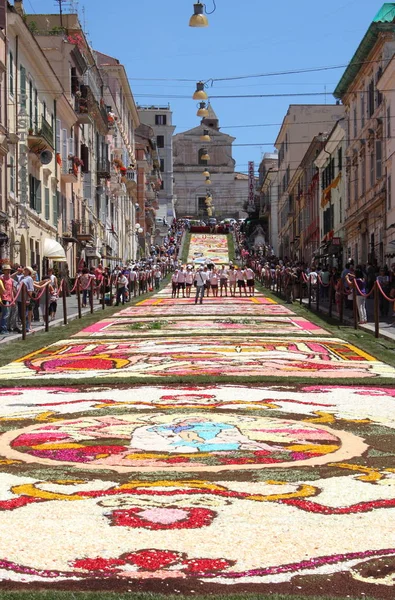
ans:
x=189 y=441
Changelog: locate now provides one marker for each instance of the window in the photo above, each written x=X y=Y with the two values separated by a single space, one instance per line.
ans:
x=12 y=174
x=23 y=86
x=200 y=160
x=371 y=98
x=46 y=207
x=35 y=193
x=372 y=180
x=30 y=104
x=55 y=211
x=389 y=199
x=363 y=175
x=340 y=158
x=379 y=158
x=379 y=95
x=362 y=110
x=160 y=141
x=160 y=119
x=340 y=210
x=388 y=121
x=36 y=109
x=356 y=175
x=355 y=122
x=11 y=74
x=162 y=165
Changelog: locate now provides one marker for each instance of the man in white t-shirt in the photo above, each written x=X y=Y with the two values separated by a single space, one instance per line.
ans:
x=250 y=275
x=200 y=278
x=181 y=282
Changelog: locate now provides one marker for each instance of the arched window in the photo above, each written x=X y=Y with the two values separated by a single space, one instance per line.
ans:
x=200 y=160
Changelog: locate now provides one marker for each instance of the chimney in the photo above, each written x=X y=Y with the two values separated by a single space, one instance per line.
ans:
x=18 y=5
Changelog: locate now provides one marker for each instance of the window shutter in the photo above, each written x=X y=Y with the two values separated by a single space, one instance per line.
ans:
x=64 y=151
x=23 y=86
x=47 y=208
x=32 y=192
x=55 y=208
x=71 y=146
x=378 y=159
x=58 y=135
x=38 y=196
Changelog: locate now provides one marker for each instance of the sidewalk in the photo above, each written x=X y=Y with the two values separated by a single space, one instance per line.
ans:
x=386 y=329
x=72 y=314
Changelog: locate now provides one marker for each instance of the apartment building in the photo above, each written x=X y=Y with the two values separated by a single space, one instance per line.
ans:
x=366 y=118
x=159 y=118
x=268 y=210
x=330 y=163
x=299 y=127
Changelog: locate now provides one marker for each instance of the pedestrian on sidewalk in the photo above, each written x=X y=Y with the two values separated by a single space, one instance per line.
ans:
x=359 y=279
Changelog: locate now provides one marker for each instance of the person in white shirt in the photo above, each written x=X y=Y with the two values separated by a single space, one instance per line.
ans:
x=174 y=284
x=181 y=282
x=157 y=277
x=132 y=279
x=121 y=283
x=232 y=280
x=214 y=279
x=188 y=281
x=241 y=280
x=200 y=278
x=223 y=280
x=250 y=280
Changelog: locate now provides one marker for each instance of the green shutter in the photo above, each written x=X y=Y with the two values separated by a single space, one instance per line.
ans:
x=47 y=209
x=38 y=196
x=55 y=208
x=32 y=192
x=23 y=86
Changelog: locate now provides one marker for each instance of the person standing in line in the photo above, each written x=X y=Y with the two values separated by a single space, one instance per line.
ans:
x=241 y=280
x=181 y=282
x=223 y=280
x=121 y=283
x=360 y=289
x=6 y=294
x=157 y=277
x=214 y=278
x=250 y=275
x=200 y=279
x=26 y=311
x=188 y=281
x=232 y=277
x=132 y=279
x=174 y=284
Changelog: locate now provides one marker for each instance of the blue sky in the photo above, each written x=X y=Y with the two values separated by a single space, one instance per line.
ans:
x=152 y=39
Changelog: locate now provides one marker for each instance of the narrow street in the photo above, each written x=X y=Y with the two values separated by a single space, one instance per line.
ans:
x=232 y=446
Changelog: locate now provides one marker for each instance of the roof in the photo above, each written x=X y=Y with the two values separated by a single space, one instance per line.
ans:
x=383 y=21
x=241 y=176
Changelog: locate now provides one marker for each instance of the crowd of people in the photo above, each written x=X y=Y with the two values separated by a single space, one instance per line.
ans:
x=211 y=279
x=27 y=298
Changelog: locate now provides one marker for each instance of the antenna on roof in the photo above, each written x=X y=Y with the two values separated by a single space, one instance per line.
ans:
x=61 y=4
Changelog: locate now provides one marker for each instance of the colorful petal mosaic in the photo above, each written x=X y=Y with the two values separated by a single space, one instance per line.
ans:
x=210 y=488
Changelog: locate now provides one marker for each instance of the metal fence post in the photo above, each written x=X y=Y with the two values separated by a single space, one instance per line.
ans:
x=46 y=312
x=64 y=301
x=309 y=284
x=341 y=304
x=317 y=294
x=376 y=310
x=23 y=310
x=330 y=296
x=103 y=299
x=354 y=305
x=92 y=290
x=78 y=292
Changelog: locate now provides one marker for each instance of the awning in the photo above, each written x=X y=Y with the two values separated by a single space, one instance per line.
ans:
x=53 y=250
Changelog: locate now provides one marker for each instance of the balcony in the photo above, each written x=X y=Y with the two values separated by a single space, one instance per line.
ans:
x=103 y=168
x=41 y=138
x=69 y=172
x=83 y=231
x=88 y=110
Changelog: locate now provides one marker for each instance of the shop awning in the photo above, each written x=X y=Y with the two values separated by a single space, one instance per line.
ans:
x=53 y=250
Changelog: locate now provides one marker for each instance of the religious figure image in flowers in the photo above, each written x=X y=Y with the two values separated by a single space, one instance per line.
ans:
x=194 y=435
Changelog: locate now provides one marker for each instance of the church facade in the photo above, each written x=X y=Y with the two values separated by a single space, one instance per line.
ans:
x=228 y=189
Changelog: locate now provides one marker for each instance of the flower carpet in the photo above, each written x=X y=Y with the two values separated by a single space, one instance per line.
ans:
x=279 y=486
x=116 y=328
